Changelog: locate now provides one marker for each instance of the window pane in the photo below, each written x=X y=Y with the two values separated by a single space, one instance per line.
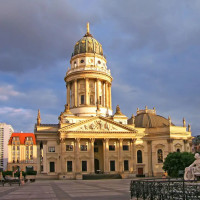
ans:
x=83 y=147
x=111 y=147
x=51 y=149
x=139 y=156
x=125 y=147
x=112 y=165
x=84 y=166
x=160 y=156
x=69 y=147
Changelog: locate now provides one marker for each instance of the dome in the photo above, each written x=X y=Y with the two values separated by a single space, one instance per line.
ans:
x=145 y=119
x=88 y=44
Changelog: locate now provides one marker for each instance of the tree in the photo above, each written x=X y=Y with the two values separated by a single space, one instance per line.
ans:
x=177 y=161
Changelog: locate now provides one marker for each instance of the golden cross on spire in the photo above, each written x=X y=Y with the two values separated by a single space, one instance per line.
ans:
x=88 y=27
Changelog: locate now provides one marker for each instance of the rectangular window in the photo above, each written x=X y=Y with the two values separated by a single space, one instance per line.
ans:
x=111 y=147
x=84 y=166
x=69 y=166
x=83 y=147
x=51 y=149
x=95 y=149
x=69 y=147
x=112 y=165
x=126 y=168
x=52 y=166
x=26 y=147
x=82 y=99
x=125 y=147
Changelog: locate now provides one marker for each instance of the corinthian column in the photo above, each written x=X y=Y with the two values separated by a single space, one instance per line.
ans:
x=86 y=92
x=75 y=93
x=106 y=94
x=68 y=93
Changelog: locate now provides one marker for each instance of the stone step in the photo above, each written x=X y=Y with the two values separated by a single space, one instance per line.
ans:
x=46 y=177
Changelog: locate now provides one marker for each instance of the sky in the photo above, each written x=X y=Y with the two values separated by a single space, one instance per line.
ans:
x=152 y=49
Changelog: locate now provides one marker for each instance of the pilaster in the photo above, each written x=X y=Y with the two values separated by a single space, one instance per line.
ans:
x=120 y=155
x=92 y=154
x=45 y=156
x=150 y=164
x=77 y=161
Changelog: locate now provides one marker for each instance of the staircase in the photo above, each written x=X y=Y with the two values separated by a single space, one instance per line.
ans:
x=46 y=177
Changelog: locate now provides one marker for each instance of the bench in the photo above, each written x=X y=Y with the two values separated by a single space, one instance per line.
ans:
x=2 y=181
x=12 y=180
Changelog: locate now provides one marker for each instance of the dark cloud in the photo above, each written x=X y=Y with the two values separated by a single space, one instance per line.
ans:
x=152 y=49
x=36 y=33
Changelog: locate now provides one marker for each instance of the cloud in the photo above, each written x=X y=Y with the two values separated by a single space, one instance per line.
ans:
x=7 y=92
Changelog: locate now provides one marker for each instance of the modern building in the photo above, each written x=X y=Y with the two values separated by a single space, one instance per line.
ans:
x=22 y=152
x=5 y=132
x=90 y=139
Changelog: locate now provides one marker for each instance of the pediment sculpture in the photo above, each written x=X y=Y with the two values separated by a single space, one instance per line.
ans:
x=98 y=125
x=193 y=170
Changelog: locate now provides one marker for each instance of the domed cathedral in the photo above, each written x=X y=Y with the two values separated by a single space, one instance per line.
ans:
x=90 y=139
x=89 y=81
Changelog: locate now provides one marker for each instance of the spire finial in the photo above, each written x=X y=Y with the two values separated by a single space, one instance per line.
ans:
x=38 y=117
x=184 y=122
x=88 y=27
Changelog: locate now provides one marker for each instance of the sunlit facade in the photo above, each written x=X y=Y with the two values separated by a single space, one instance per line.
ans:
x=22 y=151
x=90 y=138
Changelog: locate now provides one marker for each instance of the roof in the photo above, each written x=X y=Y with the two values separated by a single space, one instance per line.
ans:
x=149 y=120
x=22 y=137
x=88 y=44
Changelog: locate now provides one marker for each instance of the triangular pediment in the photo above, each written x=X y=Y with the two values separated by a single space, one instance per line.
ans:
x=97 y=124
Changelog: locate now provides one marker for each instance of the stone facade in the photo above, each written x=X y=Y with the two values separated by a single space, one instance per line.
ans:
x=22 y=152
x=90 y=139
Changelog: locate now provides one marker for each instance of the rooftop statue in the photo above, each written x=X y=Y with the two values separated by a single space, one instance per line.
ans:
x=193 y=169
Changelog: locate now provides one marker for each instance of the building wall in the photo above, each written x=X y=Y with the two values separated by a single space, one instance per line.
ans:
x=5 y=133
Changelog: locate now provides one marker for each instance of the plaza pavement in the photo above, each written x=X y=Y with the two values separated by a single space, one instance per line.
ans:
x=115 y=189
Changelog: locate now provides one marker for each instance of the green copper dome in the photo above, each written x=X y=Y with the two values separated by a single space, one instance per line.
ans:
x=88 y=44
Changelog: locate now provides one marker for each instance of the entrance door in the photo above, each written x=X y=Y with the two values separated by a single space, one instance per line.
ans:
x=96 y=165
x=52 y=166
x=140 y=171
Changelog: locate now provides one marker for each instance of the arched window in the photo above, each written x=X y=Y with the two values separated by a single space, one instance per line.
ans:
x=139 y=156
x=160 y=155
x=178 y=150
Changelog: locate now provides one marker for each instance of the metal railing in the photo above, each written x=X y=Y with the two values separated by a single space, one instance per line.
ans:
x=165 y=189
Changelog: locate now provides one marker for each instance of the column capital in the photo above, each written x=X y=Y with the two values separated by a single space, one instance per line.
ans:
x=106 y=139
x=92 y=140
x=133 y=140
x=77 y=140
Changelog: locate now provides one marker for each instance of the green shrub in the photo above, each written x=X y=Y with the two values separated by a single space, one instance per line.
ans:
x=177 y=161
x=31 y=172
x=7 y=173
